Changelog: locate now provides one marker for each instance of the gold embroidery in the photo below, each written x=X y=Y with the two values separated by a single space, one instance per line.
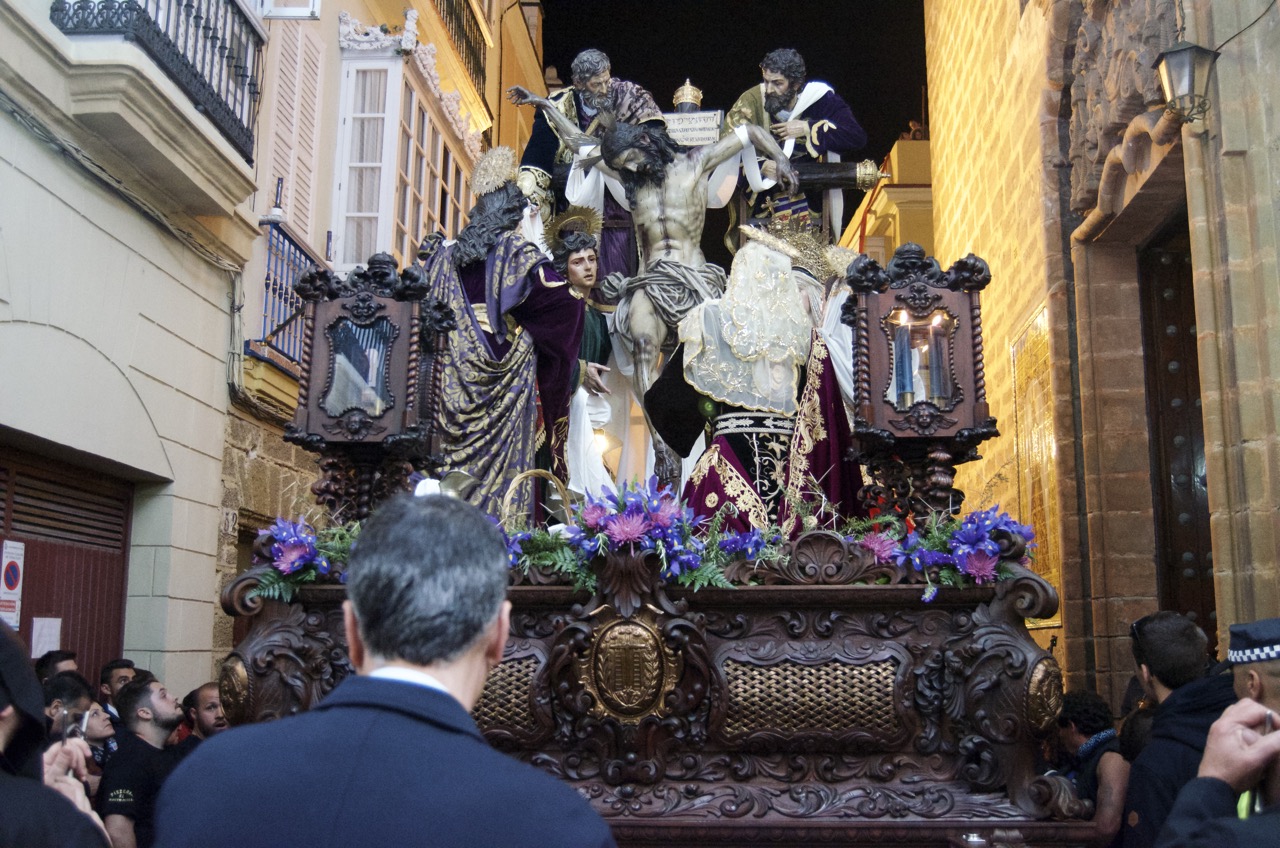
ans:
x=810 y=428
x=737 y=489
x=812 y=139
x=550 y=284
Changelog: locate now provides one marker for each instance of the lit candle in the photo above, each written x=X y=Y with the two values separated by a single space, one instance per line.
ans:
x=939 y=375
x=903 y=382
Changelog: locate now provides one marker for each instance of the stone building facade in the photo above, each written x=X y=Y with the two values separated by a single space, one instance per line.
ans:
x=1134 y=273
x=445 y=68
x=157 y=196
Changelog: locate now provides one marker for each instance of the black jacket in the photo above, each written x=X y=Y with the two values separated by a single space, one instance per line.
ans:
x=1204 y=816
x=1172 y=756
x=378 y=762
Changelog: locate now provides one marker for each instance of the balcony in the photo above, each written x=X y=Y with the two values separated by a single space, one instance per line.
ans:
x=282 y=324
x=212 y=49
x=467 y=36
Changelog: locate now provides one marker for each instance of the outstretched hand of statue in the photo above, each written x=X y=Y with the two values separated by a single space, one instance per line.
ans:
x=788 y=179
x=522 y=96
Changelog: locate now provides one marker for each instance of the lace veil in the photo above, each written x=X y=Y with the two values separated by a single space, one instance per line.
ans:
x=745 y=349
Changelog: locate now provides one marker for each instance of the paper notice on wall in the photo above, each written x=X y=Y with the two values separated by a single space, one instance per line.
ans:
x=46 y=635
x=12 y=567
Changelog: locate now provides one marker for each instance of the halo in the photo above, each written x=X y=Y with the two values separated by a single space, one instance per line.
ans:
x=576 y=218
x=495 y=168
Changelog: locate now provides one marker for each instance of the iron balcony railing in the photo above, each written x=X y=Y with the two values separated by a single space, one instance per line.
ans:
x=282 y=323
x=211 y=48
x=465 y=33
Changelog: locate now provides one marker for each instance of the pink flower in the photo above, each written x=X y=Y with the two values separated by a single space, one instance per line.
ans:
x=667 y=513
x=293 y=555
x=981 y=567
x=593 y=515
x=879 y=544
x=625 y=528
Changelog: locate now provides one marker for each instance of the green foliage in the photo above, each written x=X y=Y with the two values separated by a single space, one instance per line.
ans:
x=335 y=543
x=274 y=586
x=886 y=523
x=700 y=578
x=543 y=549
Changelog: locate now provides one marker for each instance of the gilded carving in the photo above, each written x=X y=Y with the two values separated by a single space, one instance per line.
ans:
x=1044 y=695
x=626 y=669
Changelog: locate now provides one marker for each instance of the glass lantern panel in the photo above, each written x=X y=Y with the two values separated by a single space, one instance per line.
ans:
x=359 y=370
x=920 y=356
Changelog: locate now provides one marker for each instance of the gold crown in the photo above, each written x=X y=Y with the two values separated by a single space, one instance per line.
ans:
x=497 y=166
x=797 y=241
x=687 y=93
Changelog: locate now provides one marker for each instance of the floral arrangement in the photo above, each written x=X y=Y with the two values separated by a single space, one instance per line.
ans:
x=298 y=555
x=955 y=552
x=641 y=519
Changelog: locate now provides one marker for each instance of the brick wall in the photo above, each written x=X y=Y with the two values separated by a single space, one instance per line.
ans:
x=996 y=74
x=263 y=477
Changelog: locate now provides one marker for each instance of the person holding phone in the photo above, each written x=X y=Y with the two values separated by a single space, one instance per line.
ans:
x=67 y=697
x=42 y=799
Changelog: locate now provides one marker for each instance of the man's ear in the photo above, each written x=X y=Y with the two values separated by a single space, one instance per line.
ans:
x=52 y=710
x=355 y=644
x=1253 y=683
x=104 y=692
x=498 y=635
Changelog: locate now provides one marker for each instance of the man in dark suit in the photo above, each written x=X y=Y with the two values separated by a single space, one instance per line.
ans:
x=391 y=757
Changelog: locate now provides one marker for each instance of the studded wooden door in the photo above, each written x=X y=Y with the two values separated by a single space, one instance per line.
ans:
x=1183 y=552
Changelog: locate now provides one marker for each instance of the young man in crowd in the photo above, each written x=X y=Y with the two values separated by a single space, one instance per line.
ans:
x=1172 y=657
x=133 y=776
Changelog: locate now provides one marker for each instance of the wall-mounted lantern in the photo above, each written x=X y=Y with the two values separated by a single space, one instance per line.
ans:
x=1184 y=71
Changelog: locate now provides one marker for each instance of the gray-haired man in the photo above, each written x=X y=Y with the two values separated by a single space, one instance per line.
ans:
x=391 y=757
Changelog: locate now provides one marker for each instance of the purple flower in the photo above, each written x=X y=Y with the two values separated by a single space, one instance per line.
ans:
x=666 y=514
x=586 y=545
x=747 y=545
x=908 y=553
x=594 y=514
x=292 y=555
x=936 y=559
x=514 y=546
x=981 y=567
x=881 y=545
x=627 y=528
x=972 y=536
x=294 y=546
x=930 y=592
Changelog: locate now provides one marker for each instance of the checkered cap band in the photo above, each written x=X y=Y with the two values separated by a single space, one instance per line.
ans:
x=1253 y=655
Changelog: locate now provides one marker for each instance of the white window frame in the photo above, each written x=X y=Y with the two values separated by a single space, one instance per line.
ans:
x=272 y=9
x=390 y=236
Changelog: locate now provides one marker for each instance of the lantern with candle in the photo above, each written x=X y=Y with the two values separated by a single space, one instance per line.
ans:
x=920 y=404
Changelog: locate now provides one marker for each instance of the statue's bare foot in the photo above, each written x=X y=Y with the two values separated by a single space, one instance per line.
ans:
x=666 y=465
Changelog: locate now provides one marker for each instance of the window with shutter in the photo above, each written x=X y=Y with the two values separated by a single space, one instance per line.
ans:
x=404 y=168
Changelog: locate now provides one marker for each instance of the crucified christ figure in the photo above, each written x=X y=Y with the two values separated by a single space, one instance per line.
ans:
x=666 y=187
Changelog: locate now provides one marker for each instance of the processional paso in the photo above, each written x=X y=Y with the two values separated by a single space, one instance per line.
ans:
x=906 y=690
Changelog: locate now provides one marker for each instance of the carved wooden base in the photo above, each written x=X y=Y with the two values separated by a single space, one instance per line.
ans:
x=831 y=706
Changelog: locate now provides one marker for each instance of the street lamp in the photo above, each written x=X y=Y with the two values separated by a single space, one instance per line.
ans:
x=1184 y=77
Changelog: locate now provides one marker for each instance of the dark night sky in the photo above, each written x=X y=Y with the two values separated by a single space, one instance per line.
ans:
x=870 y=51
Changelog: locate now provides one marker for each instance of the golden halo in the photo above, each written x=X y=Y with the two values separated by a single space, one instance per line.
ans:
x=581 y=219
